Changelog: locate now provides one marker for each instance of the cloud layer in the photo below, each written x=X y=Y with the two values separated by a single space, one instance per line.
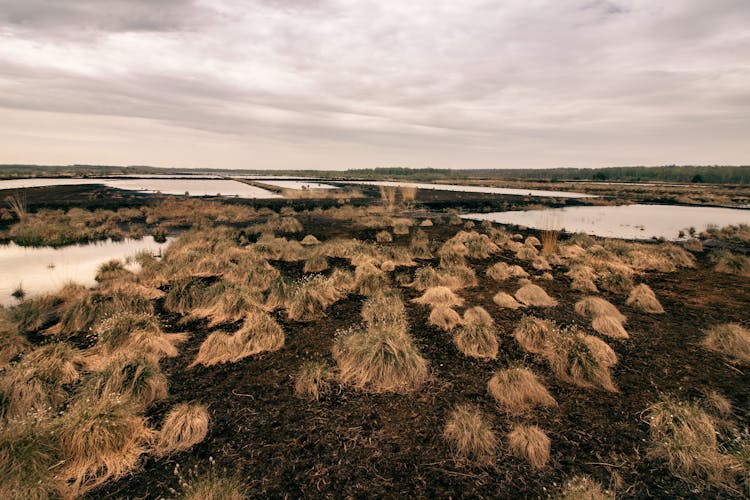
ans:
x=338 y=84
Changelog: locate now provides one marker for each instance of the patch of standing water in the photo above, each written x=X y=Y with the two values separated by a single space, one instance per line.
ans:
x=637 y=222
x=39 y=270
x=299 y=184
x=478 y=189
x=194 y=187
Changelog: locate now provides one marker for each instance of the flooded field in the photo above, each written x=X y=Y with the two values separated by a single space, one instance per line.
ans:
x=181 y=185
x=47 y=269
x=298 y=184
x=627 y=221
x=479 y=189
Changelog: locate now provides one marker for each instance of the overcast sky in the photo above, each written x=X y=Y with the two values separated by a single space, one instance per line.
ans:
x=355 y=84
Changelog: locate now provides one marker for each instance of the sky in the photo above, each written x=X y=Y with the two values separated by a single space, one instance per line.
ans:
x=333 y=84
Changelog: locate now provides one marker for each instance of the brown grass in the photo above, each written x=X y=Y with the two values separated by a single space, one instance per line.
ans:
x=185 y=425
x=595 y=307
x=439 y=296
x=582 y=360
x=477 y=335
x=444 y=317
x=610 y=327
x=731 y=340
x=549 y=241
x=313 y=380
x=693 y=244
x=644 y=298
x=315 y=264
x=383 y=237
x=27 y=457
x=310 y=240
x=133 y=376
x=506 y=301
x=379 y=360
x=501 y=271
x=309 y=297
x=384 y=310
x=219 y=347
x=536 y=335
x=584 y=488
x=470 y=436
x=685 y=436
x=534 y=295
x=518 y=390
x=100 y=441
x=530 y=443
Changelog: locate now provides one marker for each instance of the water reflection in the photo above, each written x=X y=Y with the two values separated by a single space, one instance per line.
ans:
x=478 y=189
x=46 y=269
x=627 y=221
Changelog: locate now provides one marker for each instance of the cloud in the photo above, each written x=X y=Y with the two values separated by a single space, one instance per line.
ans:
x=497 y=81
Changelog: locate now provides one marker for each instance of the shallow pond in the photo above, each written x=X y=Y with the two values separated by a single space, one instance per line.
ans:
x=44 y=269
x=299 y=184
x=479 y=189
x=625 y=221
x=195 y=187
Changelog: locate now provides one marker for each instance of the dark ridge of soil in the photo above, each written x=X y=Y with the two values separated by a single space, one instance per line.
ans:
x=355 y=444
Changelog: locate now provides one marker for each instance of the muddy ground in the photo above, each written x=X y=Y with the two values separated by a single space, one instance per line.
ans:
x=353 y=444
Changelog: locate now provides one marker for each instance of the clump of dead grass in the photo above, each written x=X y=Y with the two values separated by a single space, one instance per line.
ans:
x=530 y=443
x=500 y=271
x=584 y=488
x=518 y=389
x=470 y=436
x=444 y=317
x=644 y=298
x=439 y=296
x=582 y=360
x=184 y=426
x=731 y=340
x=536 y=335
x=313 y=380
x=477 y=335
x=534 y=295
x=506 y=301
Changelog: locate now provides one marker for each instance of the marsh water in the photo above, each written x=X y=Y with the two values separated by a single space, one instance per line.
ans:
x=45 y=269
x=479 y=189
x=625 y=221
x=174 y=185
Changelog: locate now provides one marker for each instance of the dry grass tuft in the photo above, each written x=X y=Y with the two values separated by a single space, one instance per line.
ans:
x=730 y=339
x=582 y=360
x=310 y=240
x=184 y=426
x=693 y=244
x=309 y=297
x=609 y=327
x=27 y=456
x=100 y=441
x=313 y=380
x=219 y=347
x=134 y=376
x=379 y=360
x=439 y=296
x=536 y=335
x=534 y=295
x=369 y=280
x=383 y=237
x=595 y=307
x=385 y=310
x=685 y=436
x=584 y=488
x=518 y=390
x=210 y=485
x=477 y=335
x=315 y=263
x=730 y=263
x=470 y=436
x=444 y=317
x=506 y=300
x=644 y=298
x=501 y=271
x=530 y=443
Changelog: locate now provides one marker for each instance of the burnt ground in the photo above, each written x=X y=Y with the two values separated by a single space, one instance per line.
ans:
x=355 y=444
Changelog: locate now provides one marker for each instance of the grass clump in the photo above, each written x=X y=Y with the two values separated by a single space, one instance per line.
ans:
x=379 y=359
x=383 y=237
x=134 y=376
x=313 y=380
x=185 y=425
x=644 y=298
x=209 y=485
x=505 y=300
x=219 y=347
x=439 y=296
x=383 y=310
x=100 y=441
x=536 y=335
x=582 y=360
x=530 y=443
x=27 y=456
x=126 y=332
x=685 y=436
x=444 y=317
x=501 y=271
x=584 y=488
x=730 y=263
x=595 y=307
x=731 y=340
x=309 y=297
x=518 y=390
x=477 y=335
x=227 y=303
x=470 y=436
x=534 y=295
x=609 y=327
x=369 y=280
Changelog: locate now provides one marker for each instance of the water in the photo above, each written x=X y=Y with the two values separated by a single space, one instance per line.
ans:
x=625 y=221
x=195 y=187
x=299 y=184
x=45 y=269
x=479 y=189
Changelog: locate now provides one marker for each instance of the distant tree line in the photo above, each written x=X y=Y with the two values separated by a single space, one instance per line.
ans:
x=716 y=174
